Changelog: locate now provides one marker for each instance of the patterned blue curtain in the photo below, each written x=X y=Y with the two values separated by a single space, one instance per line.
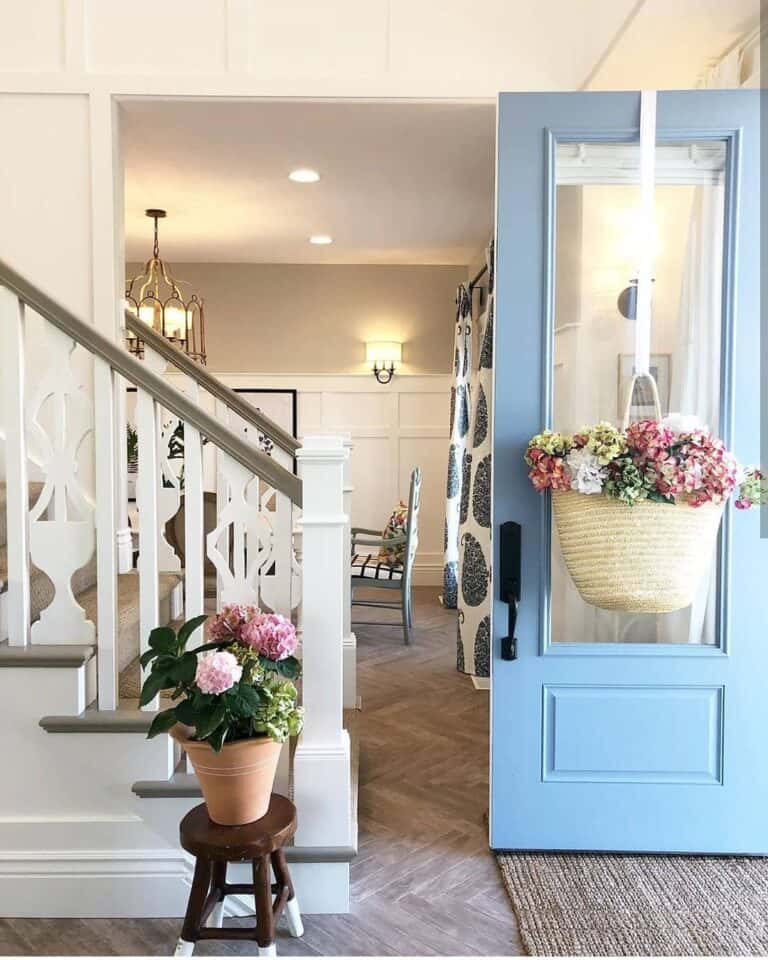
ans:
x=474 y=601
x=460 y=401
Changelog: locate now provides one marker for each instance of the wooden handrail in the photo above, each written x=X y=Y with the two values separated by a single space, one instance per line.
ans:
x=163 y=392
x=211 y=384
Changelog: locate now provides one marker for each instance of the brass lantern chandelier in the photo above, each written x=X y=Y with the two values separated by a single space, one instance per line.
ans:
x=155 y=298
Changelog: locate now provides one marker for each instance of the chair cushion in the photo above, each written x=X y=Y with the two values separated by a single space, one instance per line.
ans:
x=373 y=568
x=397 y=526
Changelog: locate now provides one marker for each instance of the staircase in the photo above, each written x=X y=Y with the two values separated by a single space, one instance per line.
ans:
x=89 y=808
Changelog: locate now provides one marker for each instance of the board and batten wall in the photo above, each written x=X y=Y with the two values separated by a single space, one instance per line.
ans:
x=317 y=318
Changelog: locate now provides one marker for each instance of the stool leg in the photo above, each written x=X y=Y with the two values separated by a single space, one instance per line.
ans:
x=219 y=880
x=200 y=884
x=262 y=896
x=283 y=878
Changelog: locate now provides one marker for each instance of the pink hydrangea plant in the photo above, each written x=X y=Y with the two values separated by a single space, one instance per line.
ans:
x=271 y=634
x=217 y=671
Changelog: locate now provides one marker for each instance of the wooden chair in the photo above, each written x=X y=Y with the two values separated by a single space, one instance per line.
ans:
x=369 y=571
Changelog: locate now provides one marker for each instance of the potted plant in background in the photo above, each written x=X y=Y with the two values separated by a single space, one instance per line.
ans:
x=132 y=454
x=235 y=704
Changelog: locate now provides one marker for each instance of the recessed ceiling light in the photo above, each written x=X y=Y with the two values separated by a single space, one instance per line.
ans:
x=304 y=175
x=321 y=239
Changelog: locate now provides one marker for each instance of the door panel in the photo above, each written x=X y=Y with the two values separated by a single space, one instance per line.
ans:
x=617 y=731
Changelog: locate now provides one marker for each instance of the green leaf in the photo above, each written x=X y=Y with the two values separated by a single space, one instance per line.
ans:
x=147 y=657
x=209 y=646
x=184 y=669
x=208 y=721
x=163 y=640
x=186 y=713
x=244 y=701
x=249 y=694
x=154 y=683
x=216 y=739
x=290 y=668
x=189 y=628
x=162 y=722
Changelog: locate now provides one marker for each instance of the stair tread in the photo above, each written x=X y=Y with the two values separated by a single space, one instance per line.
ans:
x=46 y=655
x=128 y=718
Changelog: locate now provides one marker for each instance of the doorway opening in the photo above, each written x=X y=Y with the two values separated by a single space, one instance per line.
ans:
x=317 y=234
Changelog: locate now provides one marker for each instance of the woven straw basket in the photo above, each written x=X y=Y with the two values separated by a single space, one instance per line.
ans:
x=647 y=558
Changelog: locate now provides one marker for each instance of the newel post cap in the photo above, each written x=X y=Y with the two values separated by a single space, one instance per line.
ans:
x=324 y=448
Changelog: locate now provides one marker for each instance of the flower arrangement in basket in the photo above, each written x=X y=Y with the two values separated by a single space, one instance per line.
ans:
x=235 y=703
x=638 y=509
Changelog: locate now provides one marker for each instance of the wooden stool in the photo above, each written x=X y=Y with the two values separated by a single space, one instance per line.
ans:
x=214 y=846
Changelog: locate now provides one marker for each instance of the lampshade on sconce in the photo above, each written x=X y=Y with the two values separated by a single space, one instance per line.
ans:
x=384 y=357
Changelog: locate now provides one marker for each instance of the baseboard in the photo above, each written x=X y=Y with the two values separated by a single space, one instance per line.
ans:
x=137 y=884
x=428 y=572
x=94 y=883
x=481 y=683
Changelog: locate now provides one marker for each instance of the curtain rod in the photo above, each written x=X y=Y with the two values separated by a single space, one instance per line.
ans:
x=481 y=273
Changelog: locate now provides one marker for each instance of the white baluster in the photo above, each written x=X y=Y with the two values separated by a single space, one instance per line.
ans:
x=123 y=534
x=61 y=522
x=168 y=485
x=104 y=389
x=322 y=759
x=239 y=523
x=17 y=484
x=350 y=640
x=194 y=564
x=222 y=496
x=147 y=417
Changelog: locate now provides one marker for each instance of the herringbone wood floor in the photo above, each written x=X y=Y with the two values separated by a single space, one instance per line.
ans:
x=424 y=882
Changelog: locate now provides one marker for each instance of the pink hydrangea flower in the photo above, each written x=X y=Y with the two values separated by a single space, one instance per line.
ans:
x=229 y=622
x=547 y=470
x=649 y=440
x=217 y=671
x=272 y=635
x=710 y=472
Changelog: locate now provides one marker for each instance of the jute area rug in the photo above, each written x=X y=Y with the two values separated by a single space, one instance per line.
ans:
x=620 y=905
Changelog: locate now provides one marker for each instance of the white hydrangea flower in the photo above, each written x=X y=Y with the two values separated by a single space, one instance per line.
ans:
x=587 y=475
x=684 y=423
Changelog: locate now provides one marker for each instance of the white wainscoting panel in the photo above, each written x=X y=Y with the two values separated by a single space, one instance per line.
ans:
x=395 y=427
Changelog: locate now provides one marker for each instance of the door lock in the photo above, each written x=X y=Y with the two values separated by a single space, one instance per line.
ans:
x=510 y=555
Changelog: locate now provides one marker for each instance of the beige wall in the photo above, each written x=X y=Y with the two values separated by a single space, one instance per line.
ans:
x=307 y=318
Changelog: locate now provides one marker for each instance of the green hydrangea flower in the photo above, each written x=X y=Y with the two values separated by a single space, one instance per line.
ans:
x=627 y=483
x=604 y=441
x=248 y=658
x=551 y=442
x=277 y=715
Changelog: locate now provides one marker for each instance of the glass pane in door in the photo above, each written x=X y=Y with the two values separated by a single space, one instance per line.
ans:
x=596 y=246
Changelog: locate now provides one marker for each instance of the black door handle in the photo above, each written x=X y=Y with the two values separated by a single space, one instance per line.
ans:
x=510 y=556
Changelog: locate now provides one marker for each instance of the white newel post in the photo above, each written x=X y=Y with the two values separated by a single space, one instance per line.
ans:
x=17 y=497
x=350 y=640
x=321 y=770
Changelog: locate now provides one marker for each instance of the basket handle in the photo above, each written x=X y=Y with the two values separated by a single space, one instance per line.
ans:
x=631 y=393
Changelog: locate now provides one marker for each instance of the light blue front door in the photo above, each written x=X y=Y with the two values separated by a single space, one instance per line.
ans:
x=612 y=731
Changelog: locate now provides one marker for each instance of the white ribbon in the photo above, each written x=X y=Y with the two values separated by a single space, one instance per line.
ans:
x=646 y=232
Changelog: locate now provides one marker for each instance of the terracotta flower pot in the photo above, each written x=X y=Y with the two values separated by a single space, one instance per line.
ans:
x=237 y=781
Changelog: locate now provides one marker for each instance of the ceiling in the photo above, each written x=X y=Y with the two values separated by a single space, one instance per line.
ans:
x=400 y=182
x=668 y=44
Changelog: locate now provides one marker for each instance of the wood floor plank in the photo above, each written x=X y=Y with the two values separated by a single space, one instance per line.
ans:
x=424 y=882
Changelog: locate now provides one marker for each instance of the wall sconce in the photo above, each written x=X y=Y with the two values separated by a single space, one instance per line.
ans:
x=384 y=357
